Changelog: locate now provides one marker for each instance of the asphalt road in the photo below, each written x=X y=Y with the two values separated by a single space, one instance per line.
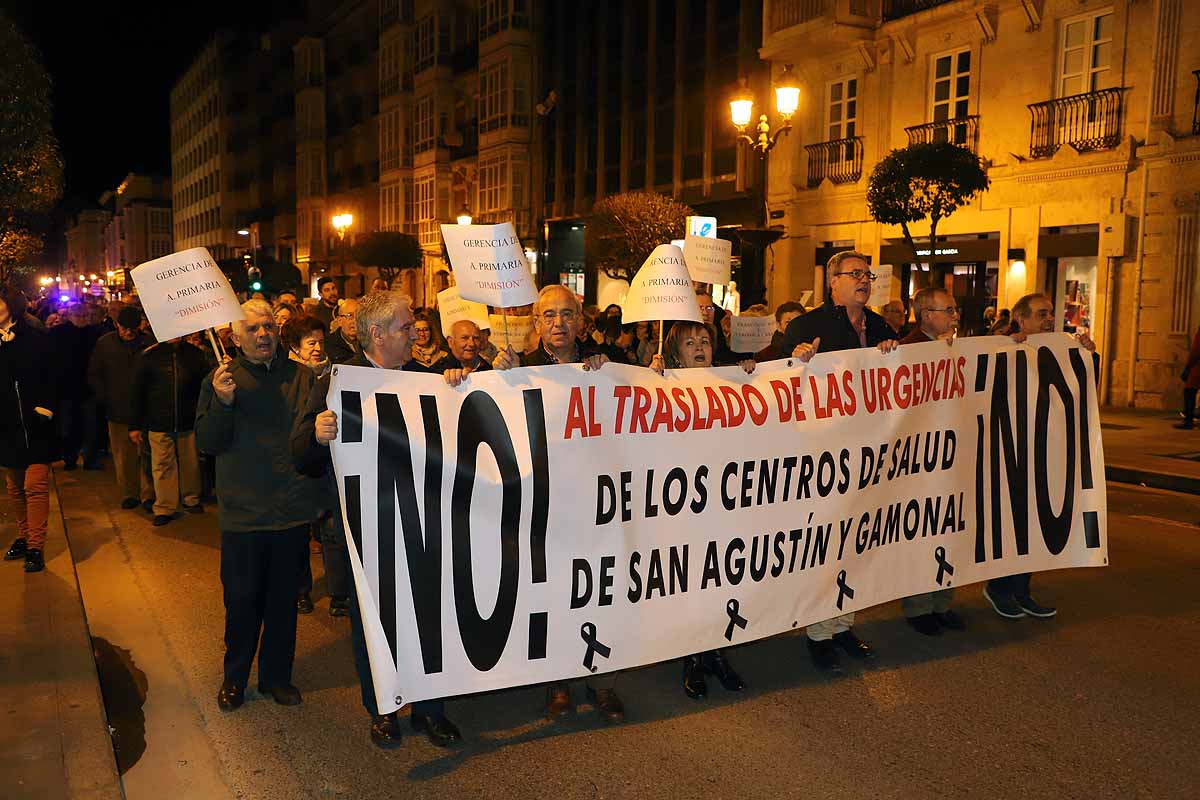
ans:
x=1103 y=701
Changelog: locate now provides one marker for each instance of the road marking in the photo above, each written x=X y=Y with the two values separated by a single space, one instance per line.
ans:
x=1174 y=523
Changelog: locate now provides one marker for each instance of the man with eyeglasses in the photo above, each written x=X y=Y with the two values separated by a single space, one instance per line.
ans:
x=557 y=318
x=936 y=315
x=341 y=345
x=1009 y=596
x=843 y=322
x=385 y=327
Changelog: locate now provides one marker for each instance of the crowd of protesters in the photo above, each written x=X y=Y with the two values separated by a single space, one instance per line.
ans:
x=253 y=430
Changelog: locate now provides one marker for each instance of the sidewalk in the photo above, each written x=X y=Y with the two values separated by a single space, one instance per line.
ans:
x=1143 y=447
x=54 y=742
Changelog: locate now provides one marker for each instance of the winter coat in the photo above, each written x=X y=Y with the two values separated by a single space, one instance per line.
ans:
x=110 y=374
x=166 y=386
x=832 y=326
x=26 y=382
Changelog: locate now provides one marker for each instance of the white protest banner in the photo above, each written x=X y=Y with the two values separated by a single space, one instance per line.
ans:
x=452 y=308
x=185 y=292
x=562 y=522
x=489 y=264
x=881 y=289
x=750 y=334
x=708 y=259
x=508 y=329
x=662 y=289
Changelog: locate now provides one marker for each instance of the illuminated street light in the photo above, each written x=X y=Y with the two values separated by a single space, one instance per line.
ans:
x=464 y=215
x=787 y=101
x=342 y=223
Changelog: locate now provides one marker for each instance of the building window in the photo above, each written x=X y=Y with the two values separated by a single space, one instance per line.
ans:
x=426 y=44
x=841 y=116
x=315 y=184
x=1086 y=54
x=493 y=86
x=427 y=223
x=951 y=90
x=491 y=184
x=389 y=69
x=410 y=207
x=389 y=206
x=389 y=140
x=423 y=136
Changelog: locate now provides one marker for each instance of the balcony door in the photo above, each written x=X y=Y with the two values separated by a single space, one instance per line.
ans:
x=950 y=96
x=1084 y=67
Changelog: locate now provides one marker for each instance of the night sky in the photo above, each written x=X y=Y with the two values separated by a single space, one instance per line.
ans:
x=113 y=65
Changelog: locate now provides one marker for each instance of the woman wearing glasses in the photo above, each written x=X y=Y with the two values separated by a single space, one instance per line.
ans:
x=429 y=347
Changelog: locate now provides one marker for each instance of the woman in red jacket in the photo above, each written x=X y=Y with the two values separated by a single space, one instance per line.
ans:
x=1191 y=383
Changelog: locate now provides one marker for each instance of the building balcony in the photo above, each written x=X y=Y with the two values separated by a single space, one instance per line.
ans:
x=786 y=13
x=1088 y=121
x=792 y=24
x=962 y=131
x=839 y=160
x=895 y=9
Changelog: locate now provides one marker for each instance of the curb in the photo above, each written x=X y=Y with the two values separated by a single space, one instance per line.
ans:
x=1157 y=480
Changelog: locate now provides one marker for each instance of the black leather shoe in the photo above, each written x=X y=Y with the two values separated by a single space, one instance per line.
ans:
x=231 y=696
x=304 y=603
x=925 y=624
x=129 y=502
x=950 y=619
x=693 y=678
x=440 y=730
x=16 y=550
x=161 y=519
x=715 y=663
x=284 y=694
x=608 y=704
x=825 y=656
x=385 y=731
x=148 y=505
x=339 y=606
x=196 y=509
x=558 y=701
x=853 y=646
x=33 y=561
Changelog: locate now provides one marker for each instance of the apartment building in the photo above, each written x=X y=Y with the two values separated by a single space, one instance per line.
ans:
x=85 y=241
x=1084 y=112
x=139 y=222
x=233 y=145
x=634 y=95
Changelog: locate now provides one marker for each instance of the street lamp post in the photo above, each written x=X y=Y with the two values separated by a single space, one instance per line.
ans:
x=341 y=224
x=741 y=112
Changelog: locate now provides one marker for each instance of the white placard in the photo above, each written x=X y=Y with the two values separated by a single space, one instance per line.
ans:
x=708 y=259
x=185 y=292
x=662 y=289
x=750 y=334
x=507 y=328
x=702 y=226
x=489 y=264
x=881 y=289
x=805 y=296
x=452 y=308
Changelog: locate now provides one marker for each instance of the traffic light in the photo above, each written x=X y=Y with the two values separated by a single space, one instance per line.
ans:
x=254 y=278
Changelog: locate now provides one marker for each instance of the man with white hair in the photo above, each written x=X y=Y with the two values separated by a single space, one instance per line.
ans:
x=244 y=417
x=385 y=330
x=557 y=318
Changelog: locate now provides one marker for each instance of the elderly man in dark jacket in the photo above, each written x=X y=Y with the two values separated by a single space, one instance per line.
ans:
x=843 y=323
x=113 y=362
x=385 y=328
x=166 y=385
x=244 y=418
x=28 y=438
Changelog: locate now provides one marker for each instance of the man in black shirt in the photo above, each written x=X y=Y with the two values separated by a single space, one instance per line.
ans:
x=843 y=323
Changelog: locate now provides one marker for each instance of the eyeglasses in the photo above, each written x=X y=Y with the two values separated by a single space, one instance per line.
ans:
x=859 y=274
x=346 y=316
x=953 y=310
x=567 y=315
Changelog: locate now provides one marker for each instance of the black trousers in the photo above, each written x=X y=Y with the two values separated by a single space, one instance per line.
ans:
x=1011 y=585
x=1189 y=404
x=259 y=574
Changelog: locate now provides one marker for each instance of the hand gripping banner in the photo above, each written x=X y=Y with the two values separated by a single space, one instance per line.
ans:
x=547 y=523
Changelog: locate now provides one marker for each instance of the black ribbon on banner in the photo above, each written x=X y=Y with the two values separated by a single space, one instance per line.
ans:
x=732 y=608
x=594 y=645
x=844 y=591
x=944 y=567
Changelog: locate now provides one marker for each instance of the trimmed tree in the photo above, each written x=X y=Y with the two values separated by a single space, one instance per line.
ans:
x=924 y=181
x=625 y=229
x=389 y=252
x=31 y=170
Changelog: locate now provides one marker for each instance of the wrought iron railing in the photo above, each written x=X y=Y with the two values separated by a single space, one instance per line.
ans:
x=895 y=9
x=962 y=131
x=1088 y=121
x=786 y=13
x=839 y=160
